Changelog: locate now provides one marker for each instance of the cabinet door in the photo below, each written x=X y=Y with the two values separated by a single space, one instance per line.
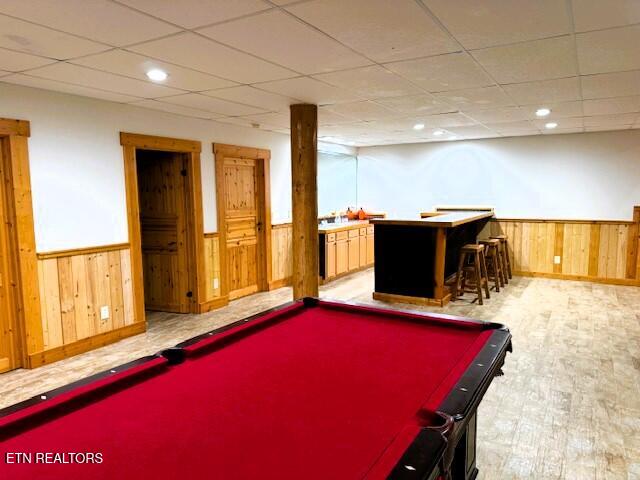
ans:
x=342 y=256
x=370 y=258
x=330 y=259
x=363 y=250
x=354 y=253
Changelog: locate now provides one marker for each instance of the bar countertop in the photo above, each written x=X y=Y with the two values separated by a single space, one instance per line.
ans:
x=445 y=220
x=340 y=226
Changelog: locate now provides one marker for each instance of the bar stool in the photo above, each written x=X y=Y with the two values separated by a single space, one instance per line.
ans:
x=472 y=266
x=505 y=253
x=493 y=259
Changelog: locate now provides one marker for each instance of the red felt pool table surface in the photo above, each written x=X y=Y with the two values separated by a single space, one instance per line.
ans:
x=318 y=393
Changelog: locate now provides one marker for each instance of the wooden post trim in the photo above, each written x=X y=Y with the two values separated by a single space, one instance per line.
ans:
x=440 y=253
x=304 y=199
x=633 y=242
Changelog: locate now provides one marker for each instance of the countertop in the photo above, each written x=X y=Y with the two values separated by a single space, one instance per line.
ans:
x=338 y=227
x=445 y=220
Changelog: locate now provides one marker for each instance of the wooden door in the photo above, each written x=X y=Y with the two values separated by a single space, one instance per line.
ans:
x=161 y=190
x=330 y=259
x=342 y=256
x=9 y=341
x=354 y=253
x=363 y=250
x=243 y=225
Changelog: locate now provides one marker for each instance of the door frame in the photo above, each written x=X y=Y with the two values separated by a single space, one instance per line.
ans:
x=195 y=227
x=19 y=244
x=262 y=158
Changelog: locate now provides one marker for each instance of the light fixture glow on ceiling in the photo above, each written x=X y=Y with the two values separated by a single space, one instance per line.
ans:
x=543 y=112
x=550 y=125
x=438 y=133
x=418 y=126
x=157 y=75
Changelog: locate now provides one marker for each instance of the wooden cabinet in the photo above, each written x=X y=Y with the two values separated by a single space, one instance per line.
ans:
x=346 y=251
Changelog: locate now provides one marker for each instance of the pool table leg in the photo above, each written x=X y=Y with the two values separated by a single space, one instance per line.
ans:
x=463 y=466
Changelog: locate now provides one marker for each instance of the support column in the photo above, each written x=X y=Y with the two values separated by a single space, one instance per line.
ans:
x=304 y=199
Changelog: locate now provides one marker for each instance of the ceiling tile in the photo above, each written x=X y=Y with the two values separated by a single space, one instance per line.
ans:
x=196 y=52
x=277 y=120
x=528 y=61
x=308 y=90
x=610 y=120
x=4 y=74
x=241 y=122
x=29 y=38
x=611 y=84
x=610 y=50
x=442 y=73
x=253 y=96
x=74 y=74
x=476 y=98
x=216 y=105
x=171 y=108
x=605 y=106
x=558 y=131
x=472 y=131
x=499 y=115
x=524 y=127
x=196 y=13
x=43 y=83
x=443 y=120
x=498 y=22
x=99 y=20
x=544 y=91
x=558 y=110
x=136 y=66
x=607 y=128
x=17 y=61
x=328 y=117
x=364 y=111
x=382 y=30
x=371 y=82
x=283 y=39
x=597 y=15
x=563 y=123
x=417 y=104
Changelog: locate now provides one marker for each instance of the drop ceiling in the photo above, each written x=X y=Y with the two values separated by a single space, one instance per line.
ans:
x=375 y=67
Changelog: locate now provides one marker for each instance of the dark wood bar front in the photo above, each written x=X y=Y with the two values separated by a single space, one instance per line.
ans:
x=413 y=258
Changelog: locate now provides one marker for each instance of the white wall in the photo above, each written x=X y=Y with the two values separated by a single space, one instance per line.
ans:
x=77 y=174
x=337 y=182
x=573 y=176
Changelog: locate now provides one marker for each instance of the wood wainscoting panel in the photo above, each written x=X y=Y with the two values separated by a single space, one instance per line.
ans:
x=74 y=288
x=281 y=255
x=600 y=251
x=212 y=266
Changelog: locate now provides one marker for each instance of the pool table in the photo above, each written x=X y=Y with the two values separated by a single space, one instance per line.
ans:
x=313 y=389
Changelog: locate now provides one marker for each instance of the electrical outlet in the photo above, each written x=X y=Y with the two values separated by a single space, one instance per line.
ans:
x=216 y=283
x=556 y=260
x=104 y=312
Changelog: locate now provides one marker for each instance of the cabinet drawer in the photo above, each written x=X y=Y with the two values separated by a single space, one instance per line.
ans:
x=363 y=231
x=370 y=230
x=331 y=237
x=354 y=233
x=342 y=235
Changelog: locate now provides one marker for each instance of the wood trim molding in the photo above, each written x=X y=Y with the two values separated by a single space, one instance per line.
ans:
x=165 y=144
x=10 y=126
x=263 y=158
x=195 y=251
x=82 y=251
x=580 y=278
x=90 y=343
x=547 y=220
x=211 y=235
x=214 y=304
x=283 y=282
x=281 y=225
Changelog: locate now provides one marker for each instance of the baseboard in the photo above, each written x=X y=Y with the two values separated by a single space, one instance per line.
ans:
x=283 y=282
x=581 y=278
x=86 y=344
x=214 y=304
x=429 y=302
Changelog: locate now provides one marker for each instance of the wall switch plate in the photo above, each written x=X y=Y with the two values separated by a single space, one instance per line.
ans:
x=104 y=312
x=556 y=260
x=216 y=283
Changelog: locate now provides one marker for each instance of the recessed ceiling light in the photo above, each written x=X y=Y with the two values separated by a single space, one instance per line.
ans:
x=543 y=112
x=550 y=125
x=157 y=75
x=437 y=133
x=418 y=126
x=453 y=137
